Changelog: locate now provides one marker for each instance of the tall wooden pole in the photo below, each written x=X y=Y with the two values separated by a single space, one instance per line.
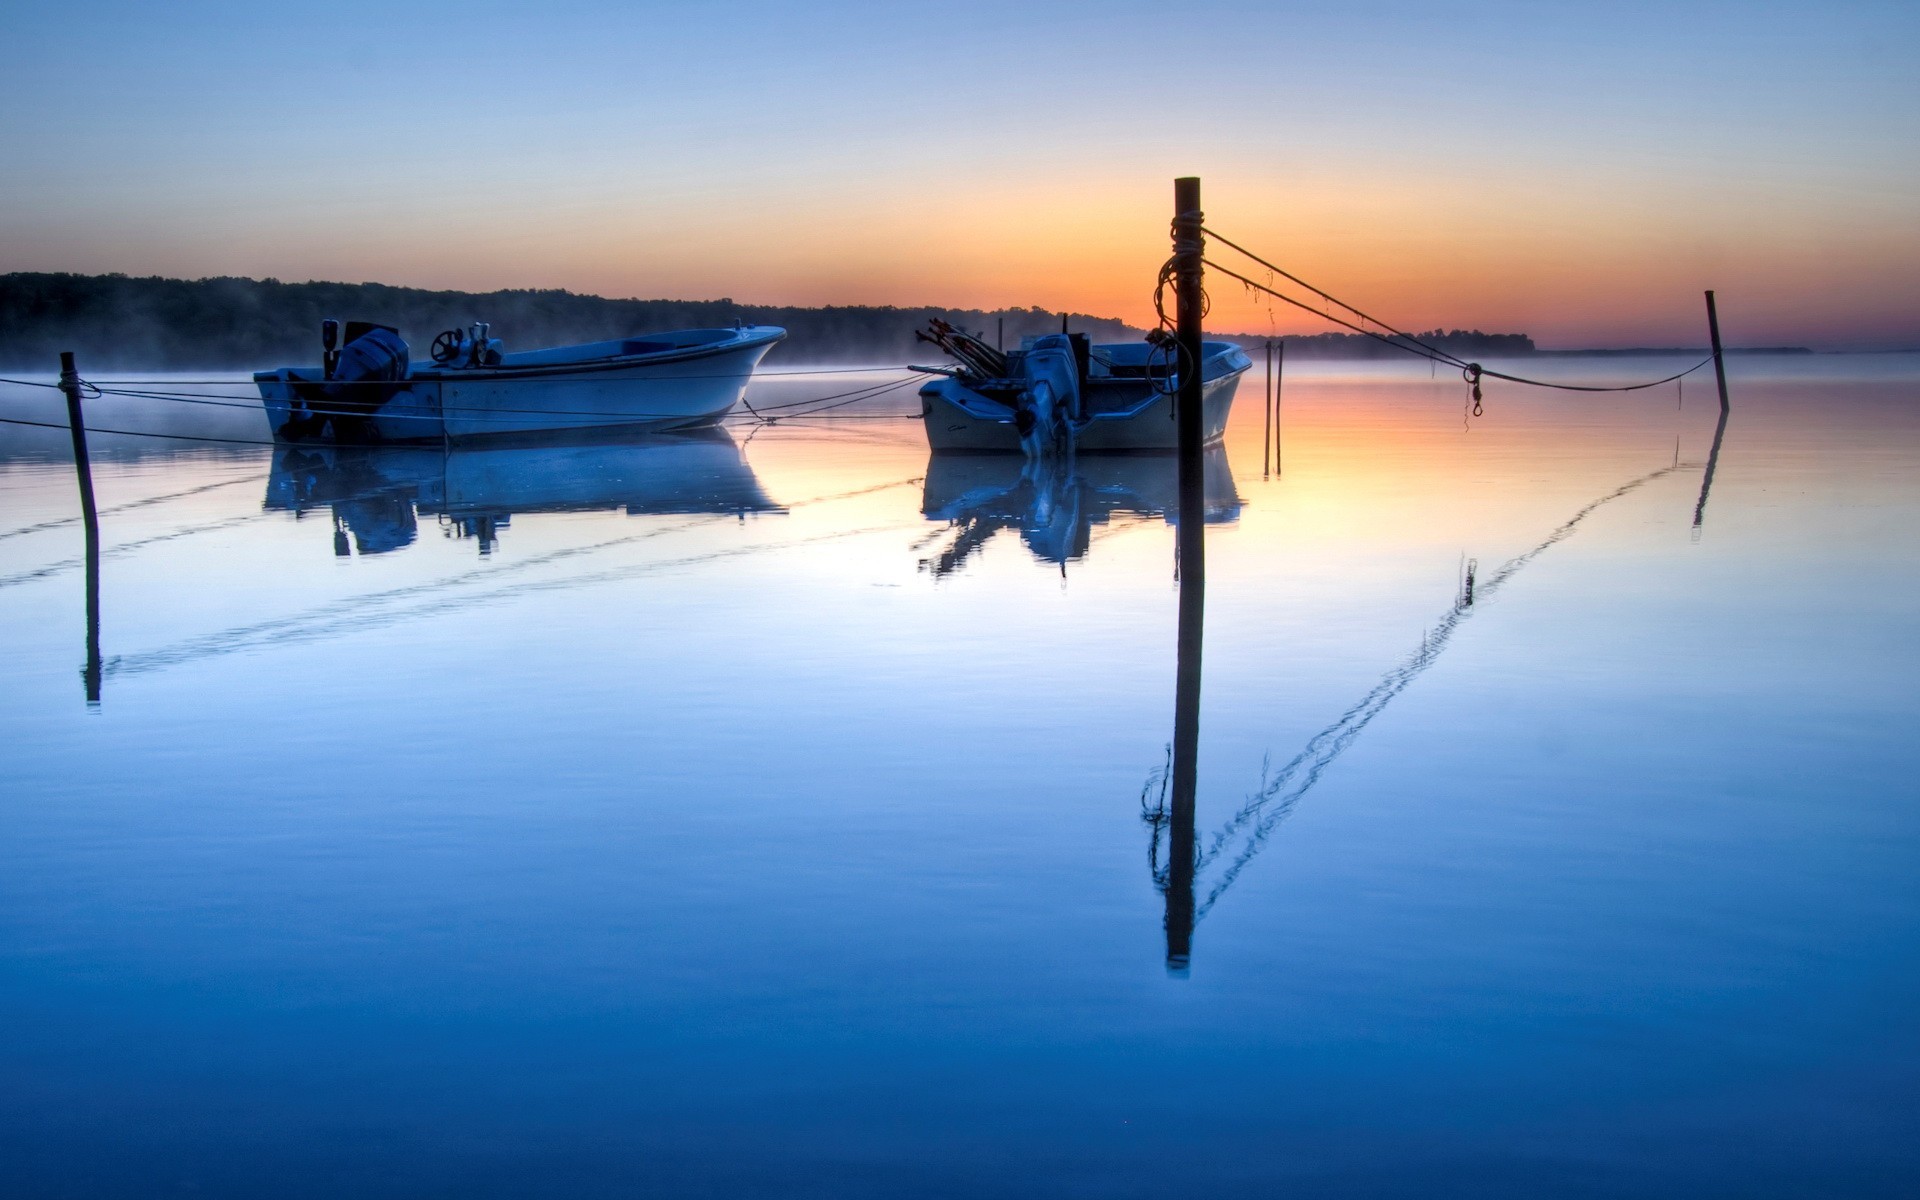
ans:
x=1188 y=246
x=1719 y=360
x=83 y=469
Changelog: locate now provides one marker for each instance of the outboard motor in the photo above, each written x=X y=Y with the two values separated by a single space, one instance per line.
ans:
x=329 y=347
x=374 y=355
x=360 y=377
x=1052 y=408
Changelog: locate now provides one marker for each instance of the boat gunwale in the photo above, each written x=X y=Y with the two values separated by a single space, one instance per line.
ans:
x=444 y=375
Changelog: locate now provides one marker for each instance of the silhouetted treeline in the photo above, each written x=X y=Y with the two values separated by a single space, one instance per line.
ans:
x=119 y=322
x=1466 y=343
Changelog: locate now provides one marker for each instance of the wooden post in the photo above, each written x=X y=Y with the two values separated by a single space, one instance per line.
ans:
x=1279 y=381
x=90 y=516
x=1188 y=247
x=1266 y=437
x=1719 y=359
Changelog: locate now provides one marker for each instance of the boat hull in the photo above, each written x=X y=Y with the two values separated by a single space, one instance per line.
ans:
x=677 y=389
x=958 y=425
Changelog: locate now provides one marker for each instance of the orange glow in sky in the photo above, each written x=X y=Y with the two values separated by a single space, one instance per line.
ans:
x=1579 y=176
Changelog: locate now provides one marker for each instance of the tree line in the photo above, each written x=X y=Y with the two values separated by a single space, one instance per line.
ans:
x=119 y=322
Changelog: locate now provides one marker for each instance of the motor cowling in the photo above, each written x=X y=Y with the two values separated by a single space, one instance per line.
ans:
x=1051 y=396
x=364 y=374
x=376 y=356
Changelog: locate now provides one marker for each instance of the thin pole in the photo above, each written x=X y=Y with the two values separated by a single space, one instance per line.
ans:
x=1188 y=247
x=1279 y=380
x=1266 y=438
x=90 y=516
x=1719 y=360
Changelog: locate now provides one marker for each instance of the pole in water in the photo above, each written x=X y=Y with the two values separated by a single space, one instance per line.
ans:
x=1000 y=334
x=1189 y=278
x=90 y=516
x=1266 y=438
x=1279 y=379
x=1188 y=247
x=1719 y=359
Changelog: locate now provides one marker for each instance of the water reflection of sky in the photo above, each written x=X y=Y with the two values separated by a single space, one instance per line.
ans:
x=702 y=837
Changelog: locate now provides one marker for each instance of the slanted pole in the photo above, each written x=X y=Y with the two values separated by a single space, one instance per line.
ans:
x=90 y=517
x=1719 y=359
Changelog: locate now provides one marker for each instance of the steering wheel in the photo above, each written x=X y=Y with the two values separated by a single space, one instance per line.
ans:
x=446 y=346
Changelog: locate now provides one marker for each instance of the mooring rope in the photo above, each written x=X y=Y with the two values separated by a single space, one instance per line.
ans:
x=248 y=381
x=481 y=411
x=1473 y=372
x=810 y=406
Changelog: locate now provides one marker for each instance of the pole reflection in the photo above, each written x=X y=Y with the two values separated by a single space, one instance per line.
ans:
x=1706 y=477
x=1168 y=800
x=1181 y=856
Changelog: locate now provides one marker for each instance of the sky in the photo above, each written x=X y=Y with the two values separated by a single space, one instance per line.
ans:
x=1577 y=172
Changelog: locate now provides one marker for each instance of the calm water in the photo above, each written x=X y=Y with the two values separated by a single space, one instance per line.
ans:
x=781 y=815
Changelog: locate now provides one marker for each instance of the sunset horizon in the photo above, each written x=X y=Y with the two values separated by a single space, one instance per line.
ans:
x=1585 y=190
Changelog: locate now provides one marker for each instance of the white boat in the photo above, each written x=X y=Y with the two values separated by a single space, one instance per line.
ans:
x=1061 y=393
x=368 y=391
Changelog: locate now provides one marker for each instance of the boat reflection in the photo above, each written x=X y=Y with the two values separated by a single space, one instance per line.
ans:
x=1054 y=505
x=378 y=494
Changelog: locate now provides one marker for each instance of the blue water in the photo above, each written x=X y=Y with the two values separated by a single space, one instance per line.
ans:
x=706 y=819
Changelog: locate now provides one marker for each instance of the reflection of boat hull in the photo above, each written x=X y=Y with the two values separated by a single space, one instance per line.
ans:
x=604 y=388
x=375 y=491
x=1055 y=503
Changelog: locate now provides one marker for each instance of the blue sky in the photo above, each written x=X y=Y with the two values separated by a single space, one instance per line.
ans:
x=1577 y=171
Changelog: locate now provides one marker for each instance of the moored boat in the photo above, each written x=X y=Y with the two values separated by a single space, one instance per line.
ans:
x=1062 y=393
x=367 y=390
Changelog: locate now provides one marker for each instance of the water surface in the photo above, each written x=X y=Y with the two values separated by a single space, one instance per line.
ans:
x=779 y=813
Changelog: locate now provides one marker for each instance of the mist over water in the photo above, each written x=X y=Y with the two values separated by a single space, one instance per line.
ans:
x=774 y=812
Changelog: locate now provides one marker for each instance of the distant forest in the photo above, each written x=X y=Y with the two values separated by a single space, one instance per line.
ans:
x=119 y=322
x=1467 y=343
